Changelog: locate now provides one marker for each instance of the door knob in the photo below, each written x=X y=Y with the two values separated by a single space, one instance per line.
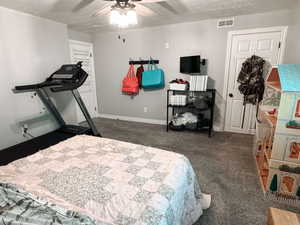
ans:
x=230 y=95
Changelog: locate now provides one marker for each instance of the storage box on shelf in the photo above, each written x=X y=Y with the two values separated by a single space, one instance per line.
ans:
x=278 y=143
x=198 y=83
x=178 y=87
x=178 y=100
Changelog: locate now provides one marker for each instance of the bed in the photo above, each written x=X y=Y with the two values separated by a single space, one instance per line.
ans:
x=101 y=181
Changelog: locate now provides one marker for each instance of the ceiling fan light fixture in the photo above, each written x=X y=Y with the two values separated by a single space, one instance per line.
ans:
x=115 y=17
x=132 y=17
x=123 y=14
x=123 y=22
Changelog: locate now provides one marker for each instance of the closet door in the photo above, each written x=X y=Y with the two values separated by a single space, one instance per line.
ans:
x=240 y=118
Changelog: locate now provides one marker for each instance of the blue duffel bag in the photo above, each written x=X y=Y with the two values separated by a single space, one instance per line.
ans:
x=153 y=78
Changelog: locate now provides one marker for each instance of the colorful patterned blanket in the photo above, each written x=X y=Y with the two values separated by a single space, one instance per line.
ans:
x=18 y=207
x=112 y=182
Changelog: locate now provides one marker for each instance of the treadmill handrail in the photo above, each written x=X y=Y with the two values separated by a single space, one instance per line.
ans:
x=27 y=87
x=37 y=86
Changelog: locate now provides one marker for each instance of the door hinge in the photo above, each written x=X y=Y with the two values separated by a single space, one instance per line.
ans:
x=279 y=45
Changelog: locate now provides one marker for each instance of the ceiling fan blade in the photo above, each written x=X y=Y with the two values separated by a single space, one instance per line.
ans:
x=144 y=11
x=61 y=6
x=105 y=10
x=168 y=7
x=82 y=4
x=98 y=25
x=150 y=1
x=165 y=5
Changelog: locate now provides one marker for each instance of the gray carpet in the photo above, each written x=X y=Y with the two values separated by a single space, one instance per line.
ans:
x=224 y=164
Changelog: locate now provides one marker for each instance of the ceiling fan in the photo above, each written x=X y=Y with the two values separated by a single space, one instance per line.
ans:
x=124 y=12
x=139 y=6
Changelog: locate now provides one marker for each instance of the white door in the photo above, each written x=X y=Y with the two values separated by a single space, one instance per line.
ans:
x=82 y=51
x=265 y=43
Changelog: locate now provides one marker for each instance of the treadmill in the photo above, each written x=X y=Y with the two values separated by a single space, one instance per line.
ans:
x=67 y=78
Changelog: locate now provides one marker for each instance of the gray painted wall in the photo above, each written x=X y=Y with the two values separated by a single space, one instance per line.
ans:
x=31 y=49
x=79 y=36
x=293 y=47
x=112 y=55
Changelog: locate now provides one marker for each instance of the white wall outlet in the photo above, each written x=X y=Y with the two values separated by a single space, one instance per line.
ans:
x=167 y=45
x=145 y=109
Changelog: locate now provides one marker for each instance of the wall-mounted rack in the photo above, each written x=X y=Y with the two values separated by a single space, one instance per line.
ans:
x=143 y=62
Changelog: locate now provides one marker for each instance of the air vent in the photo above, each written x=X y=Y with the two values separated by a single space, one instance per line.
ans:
x=224 y=23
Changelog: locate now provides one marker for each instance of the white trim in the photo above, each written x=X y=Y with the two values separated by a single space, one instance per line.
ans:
x=94 y=73
x=217 y=129
x=90 y=45
x=231 y=34
x=258 y=30
x=284 y=31
x=227 y=67
x=132 y=119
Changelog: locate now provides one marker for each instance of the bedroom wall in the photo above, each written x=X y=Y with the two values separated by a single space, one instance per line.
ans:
x=31 y=49
x=79 y=36
x=293 y=47
x=203 y=37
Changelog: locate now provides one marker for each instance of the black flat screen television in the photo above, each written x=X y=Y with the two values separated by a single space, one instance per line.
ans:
x=190 y=64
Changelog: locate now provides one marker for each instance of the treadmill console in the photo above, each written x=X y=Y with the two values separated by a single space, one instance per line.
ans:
x=68 y=72
x=67 y=78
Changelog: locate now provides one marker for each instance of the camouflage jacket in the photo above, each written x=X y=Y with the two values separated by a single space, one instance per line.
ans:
x=252 y=83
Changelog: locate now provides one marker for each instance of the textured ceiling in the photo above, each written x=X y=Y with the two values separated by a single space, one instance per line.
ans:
x=168 y=12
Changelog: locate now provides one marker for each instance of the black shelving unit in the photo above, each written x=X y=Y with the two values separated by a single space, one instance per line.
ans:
x=211 y=93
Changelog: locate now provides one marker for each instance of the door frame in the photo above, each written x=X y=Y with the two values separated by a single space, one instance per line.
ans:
x=231 y=34
x=88 y=44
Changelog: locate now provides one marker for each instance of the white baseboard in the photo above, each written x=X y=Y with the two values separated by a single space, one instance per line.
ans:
x=142 y=120
x=132 y=119
x=218 y=129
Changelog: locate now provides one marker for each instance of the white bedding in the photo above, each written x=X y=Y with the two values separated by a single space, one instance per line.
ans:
x=115 y=183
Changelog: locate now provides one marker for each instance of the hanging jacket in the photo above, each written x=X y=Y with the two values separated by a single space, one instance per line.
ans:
x=139 y=74
x=252 y=83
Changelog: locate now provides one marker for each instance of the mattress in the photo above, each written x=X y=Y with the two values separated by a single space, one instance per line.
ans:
x=110 y=181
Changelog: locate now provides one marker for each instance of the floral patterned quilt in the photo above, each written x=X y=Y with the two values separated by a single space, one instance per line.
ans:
x=111 y=182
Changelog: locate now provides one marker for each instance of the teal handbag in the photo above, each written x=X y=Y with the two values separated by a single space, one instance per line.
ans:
x=153 y=78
